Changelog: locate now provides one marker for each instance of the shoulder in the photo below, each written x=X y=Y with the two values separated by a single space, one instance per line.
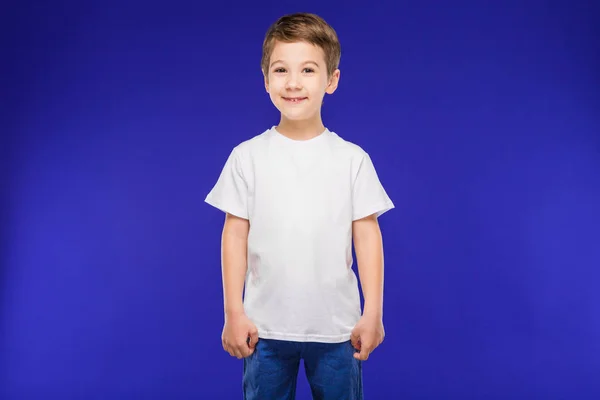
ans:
x=246 y=148
x=347 y=148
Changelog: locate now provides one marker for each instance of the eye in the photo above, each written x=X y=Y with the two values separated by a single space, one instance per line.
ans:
x=279 y=70
x=309 y=70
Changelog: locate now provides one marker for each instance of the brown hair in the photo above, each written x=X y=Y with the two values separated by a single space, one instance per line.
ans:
x=303 y=27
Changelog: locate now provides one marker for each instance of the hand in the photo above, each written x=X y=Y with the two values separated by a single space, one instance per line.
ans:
x=239 y=335
x=366 y=336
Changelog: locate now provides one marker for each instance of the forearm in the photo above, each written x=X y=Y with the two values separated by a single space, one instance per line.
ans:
x=234 y=264
x=368 y=245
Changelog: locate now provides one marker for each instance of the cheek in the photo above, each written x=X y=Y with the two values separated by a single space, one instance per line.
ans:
x=319 y=85
x=274 y=86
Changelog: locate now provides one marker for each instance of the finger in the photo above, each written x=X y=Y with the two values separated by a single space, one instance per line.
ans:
x=237 y=352
x=363 y=355
x=243 y=349
x=247 y=351
x=253 y=338
x=229 y=350
x=355 y=340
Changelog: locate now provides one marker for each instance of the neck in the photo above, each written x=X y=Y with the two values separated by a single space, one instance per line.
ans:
x=300 y=130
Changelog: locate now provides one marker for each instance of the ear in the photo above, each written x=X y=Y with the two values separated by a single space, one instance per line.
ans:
x=333 y=82
x=266 y=79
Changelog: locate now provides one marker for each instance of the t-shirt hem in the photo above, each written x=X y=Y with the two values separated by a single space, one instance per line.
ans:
x=229 y=209
x=379 y=210
x=294 y=337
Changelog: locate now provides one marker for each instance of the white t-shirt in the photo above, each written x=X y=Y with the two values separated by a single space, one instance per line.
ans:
x=300 y=198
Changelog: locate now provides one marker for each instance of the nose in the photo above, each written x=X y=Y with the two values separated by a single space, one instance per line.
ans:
x=293 y=83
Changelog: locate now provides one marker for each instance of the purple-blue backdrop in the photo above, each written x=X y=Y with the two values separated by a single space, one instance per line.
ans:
x=483 y=122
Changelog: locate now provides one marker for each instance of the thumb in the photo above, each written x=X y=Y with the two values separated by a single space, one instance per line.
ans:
x=363 y=355
x=253 y=335
x=355 y=340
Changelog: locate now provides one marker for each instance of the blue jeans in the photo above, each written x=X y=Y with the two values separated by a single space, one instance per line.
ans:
x=333 y=373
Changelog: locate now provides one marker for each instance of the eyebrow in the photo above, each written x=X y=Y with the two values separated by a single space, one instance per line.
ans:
x=304 y=63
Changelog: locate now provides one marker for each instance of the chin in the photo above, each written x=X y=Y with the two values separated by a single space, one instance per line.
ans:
x=296 y=115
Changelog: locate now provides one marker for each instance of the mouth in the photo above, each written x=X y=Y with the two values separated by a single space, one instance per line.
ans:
x=294 y=99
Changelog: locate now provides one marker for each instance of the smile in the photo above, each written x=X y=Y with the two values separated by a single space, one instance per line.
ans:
x=294 y=99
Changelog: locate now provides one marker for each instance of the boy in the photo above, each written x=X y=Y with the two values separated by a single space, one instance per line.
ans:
x=295 y=198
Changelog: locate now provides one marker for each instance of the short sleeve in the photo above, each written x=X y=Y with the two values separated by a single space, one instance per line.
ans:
x=368 y=195
x=230 y=193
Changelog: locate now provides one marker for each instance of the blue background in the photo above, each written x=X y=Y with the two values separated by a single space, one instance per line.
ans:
x=483 y=121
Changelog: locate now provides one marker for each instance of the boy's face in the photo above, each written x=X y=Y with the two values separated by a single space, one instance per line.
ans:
x=297 y=79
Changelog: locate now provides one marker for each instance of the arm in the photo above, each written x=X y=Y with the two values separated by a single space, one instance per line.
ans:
x=233 y=259
x=239 y=333
x=368 y=245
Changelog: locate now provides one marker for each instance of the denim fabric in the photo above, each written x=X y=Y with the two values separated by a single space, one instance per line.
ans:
x=333 y=373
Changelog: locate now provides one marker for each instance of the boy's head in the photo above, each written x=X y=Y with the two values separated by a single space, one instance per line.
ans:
x=301 y=55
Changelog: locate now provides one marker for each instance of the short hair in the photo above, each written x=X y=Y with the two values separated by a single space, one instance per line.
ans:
x=303 y=27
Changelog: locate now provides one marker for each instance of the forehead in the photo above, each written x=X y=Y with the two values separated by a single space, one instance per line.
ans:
x=297 y=52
